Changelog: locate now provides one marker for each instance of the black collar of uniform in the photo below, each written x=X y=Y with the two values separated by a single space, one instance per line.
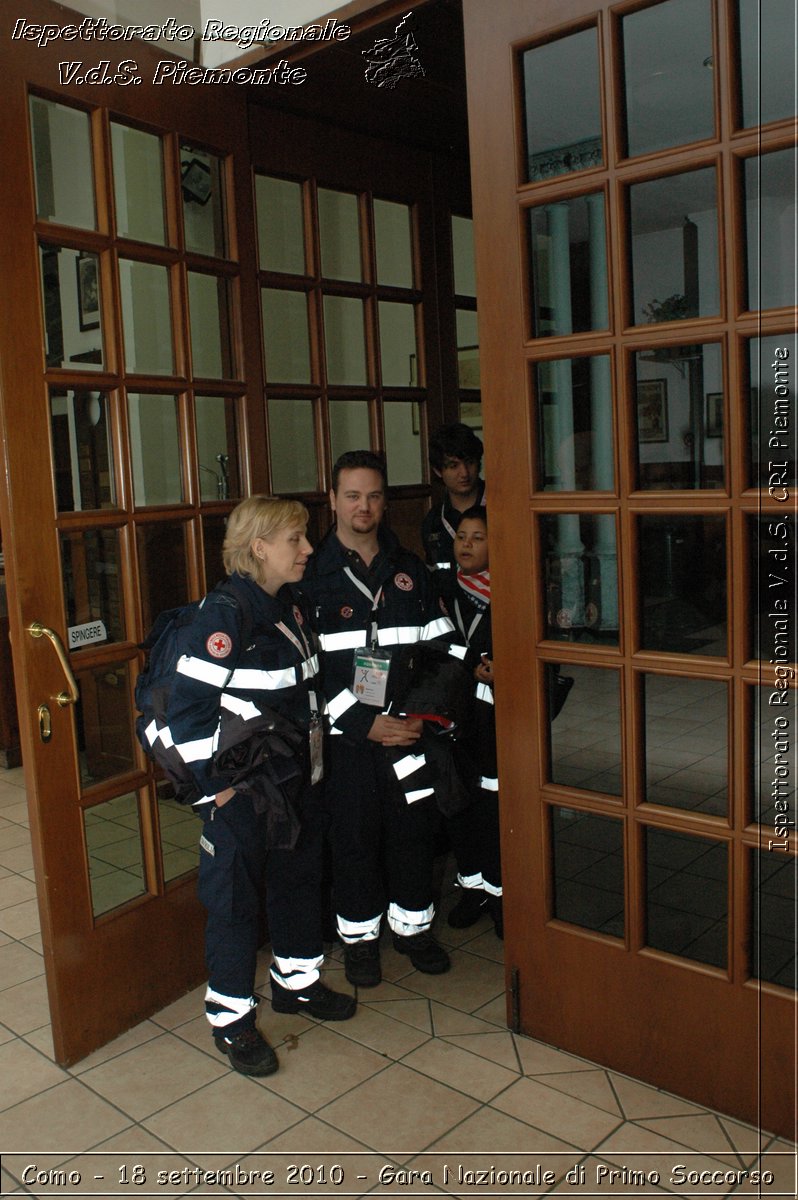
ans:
x=331 y=555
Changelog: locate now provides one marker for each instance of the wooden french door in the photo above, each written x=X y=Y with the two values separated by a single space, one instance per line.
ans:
x=127 y=329
x=633 y=199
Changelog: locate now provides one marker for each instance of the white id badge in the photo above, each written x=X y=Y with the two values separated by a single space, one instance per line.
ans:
x=316 y=744
x=370 y=678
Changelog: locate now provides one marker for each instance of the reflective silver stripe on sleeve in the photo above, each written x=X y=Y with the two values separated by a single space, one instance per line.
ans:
x=399 y=635
x=340 y=703
x=242 y=708
x=410 y=797
x=248 y=679
x=484 y=692
x=350 y=640
x=489 y=784
x=407 y=765
x=198 y=668
x=458 y=652
x=436 y=628
x=198 y=751
x=444 y=566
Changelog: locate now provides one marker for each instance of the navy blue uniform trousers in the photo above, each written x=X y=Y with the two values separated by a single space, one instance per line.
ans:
x=231 y=885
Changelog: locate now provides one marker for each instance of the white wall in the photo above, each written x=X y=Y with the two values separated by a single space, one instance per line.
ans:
x=197 y=12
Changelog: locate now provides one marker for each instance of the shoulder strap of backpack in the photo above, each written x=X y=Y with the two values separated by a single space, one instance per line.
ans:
x=244 y=604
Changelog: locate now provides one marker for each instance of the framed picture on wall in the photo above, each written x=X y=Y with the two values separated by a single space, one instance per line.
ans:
x=713 y=423
x=652 y=410
x=88 y=291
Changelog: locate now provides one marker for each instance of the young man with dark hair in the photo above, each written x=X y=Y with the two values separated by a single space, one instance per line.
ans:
x=371 y=597
x=455 y=455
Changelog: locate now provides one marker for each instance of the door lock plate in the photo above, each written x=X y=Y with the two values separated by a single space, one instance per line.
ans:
x=45 y=724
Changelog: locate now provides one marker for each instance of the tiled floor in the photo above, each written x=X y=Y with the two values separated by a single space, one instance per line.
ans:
x=426 y=1065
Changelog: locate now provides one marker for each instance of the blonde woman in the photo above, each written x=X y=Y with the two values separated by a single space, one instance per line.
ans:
x=244 y=713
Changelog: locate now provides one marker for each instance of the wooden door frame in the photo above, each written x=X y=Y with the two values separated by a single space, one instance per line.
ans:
x=117 y=948
x=662 y=1041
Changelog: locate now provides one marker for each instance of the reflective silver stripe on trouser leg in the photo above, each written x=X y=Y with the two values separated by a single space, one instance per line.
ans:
x=470 y=881
x=222 y=1011
x=296 y=974
x=407 y=923
x=352 y=932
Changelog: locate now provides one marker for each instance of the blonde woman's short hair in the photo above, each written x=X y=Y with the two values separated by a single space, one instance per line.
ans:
x=257 y=517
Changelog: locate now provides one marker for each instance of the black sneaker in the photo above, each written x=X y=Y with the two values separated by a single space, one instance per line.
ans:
x=424 y=953
x=362 y=963
x=317 y=1001
x=468 y=909
x=249 y=1053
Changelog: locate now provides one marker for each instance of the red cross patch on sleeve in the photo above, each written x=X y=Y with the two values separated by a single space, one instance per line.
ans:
x=219 y=645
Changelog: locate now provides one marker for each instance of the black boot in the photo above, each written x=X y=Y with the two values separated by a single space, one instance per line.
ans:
x=362 y=963
x=468 y=909
x=497 y=913
x=424 y=952
x=317 y=1001
x=249 y=1053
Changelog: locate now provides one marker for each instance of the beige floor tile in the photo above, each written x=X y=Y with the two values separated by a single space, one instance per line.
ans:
x=227 y=1117
x=20 y=920
x=137 y=1036
x=67 y=1115
x=185 y=1009
x=488 y=946
x=42 y=1040
x=747 y=1141
x=451 y=1022
x=496 y=1047
x=554 y=1112
x=15 y=810
x=14 y=776
x=25 y=1073
x=494 y=1011
x=409 y=1012
x=489 y=1130
x=313 y=1136
x=386 y=991
x=25 y=1007
x=153 y=1075
x=16 y=890
x=471 y=983
x=636 y=1148
x=539 y=1059
x=34 y=942
x=591 y=1086
x=701 y=1132
x=380 y=1032
x=322 y=1067
x=639 y=1100
x=460 y=1069
x=6 y=1035
x=4 y=938
x=17 y=858
x=19 y=963
x=400 y=1109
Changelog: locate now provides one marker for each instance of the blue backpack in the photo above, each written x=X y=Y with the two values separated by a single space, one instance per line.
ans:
x=164 y=645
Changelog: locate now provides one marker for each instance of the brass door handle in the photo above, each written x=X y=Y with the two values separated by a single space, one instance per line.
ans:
x=37 y=630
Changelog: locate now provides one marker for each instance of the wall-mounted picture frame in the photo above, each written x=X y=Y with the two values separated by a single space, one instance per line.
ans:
x=195 y=180
x=652 y=410
x=88 y=270
x=713 y=421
